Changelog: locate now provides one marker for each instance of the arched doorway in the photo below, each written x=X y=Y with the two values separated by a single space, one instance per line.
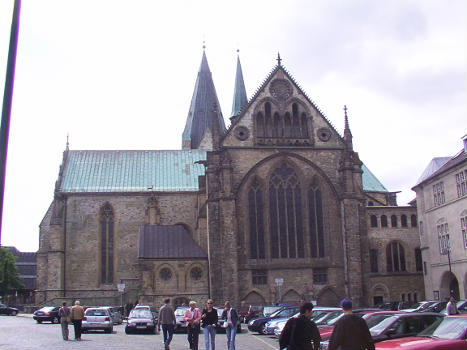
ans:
x=328 y=297
x=253 y=298
x=449 y=286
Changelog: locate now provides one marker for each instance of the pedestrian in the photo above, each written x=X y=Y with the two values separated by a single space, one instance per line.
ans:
x=230 y=315
x=209 y=320
x=77 y=315
x=192 y=318
x=300 y=333
x=451 y=307
x=351 y=331
x=64 y=313
x=128 y=308
x=167 y=320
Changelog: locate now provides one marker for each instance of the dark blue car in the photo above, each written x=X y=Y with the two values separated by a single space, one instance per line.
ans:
x=258 y=324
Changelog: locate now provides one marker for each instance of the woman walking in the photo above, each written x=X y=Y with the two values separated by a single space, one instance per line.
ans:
x=209 y=320
x=192 y=318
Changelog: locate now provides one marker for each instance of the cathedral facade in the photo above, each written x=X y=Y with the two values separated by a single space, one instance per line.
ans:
x=276 y=207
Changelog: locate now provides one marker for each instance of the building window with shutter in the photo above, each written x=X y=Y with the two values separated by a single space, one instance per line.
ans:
x=438 y=194
x=460 y=183
x=443 y=238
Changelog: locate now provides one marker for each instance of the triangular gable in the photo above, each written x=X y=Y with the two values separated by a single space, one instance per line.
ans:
x=245 y=119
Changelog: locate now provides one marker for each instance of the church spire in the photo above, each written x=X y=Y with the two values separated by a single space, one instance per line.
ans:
x=239 y=98
x=199 y=123
x=347 y=133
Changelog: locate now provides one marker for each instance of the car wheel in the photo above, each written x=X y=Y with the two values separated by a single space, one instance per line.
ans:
x=127 y=331
x=262 y=329
x=108 y=330
x=13 y=313
x=55 y=320
x=38 y=321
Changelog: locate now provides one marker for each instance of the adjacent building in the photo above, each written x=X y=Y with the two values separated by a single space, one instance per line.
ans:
x=442 y=213
x=26 y=262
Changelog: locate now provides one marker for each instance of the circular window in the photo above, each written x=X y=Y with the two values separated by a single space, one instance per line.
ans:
x=280 y=89
x=324 y=134
x=196 y=273
x=241 y=133
x=165 y=274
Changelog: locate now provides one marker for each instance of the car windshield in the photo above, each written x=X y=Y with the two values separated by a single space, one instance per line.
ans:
x=446 y=328
x=47 y=308
x=376 y=319
x=180 y=311
x=140 y=313
x=96 y=312
x=377 y=329
x=270 y=311
x=333 y=319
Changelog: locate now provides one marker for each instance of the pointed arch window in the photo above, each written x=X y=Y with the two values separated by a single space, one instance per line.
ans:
x=285 y=214
x=260 y=125
x=255 y=202
x=316 y=220
x=107 y=243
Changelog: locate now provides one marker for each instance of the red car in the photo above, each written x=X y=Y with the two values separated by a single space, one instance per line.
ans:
x=449 y=333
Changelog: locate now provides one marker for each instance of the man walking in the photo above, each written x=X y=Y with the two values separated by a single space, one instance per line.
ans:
x=231 y=316
x=168 y=322
x=300 y=333
x=351 y=331
x=64 y=313
x=77 y=315
x=451 y=308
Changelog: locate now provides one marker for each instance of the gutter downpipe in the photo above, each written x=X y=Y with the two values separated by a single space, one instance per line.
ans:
x=64 y=246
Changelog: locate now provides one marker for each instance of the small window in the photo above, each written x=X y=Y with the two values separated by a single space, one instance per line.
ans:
x=461 y=183
x=165 y=274
x=425 y=271
x=196 y=273
x=413 y=220
x=371 y=204
x=259 y=277
x=320 y=276
x=384 y=221
x=373 y=221
x=404 y=220
x=438 y=194
x=393 y=221
x=418 y=259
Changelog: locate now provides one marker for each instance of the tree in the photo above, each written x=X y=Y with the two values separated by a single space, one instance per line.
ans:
x=9 y=275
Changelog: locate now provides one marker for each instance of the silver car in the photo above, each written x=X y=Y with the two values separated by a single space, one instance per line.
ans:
x=97 y=319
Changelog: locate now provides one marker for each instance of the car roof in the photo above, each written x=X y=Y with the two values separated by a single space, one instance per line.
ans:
x=409 y=314
x=458 y=316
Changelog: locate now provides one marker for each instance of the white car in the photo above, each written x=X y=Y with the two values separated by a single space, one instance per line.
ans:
x=96 y=318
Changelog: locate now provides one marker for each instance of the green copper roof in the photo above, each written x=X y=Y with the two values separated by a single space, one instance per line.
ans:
x=370 y=182
x=200 y=115
x=239 y=99
x=132 y=171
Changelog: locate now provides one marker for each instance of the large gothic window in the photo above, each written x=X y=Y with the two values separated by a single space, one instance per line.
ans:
x=285 y=214
x=395 y=257
x=316 y=220
x=255 y=203
x=107 y=243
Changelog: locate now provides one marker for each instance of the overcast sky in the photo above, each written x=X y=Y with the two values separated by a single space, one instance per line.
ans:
x=120 y=75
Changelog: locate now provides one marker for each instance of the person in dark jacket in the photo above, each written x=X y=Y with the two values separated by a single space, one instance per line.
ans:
x=300 y=333
x=351 y=331
x=209 y=320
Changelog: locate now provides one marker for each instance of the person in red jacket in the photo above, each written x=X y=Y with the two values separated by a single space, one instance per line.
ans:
x=192 y=318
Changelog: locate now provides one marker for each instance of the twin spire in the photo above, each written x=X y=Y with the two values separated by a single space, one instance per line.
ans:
x=205 y=120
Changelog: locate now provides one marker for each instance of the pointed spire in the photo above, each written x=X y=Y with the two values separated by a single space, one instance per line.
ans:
x=67 y=142
x=279 y=59
x=239 y=98
x=347 y=133
x=200 y=118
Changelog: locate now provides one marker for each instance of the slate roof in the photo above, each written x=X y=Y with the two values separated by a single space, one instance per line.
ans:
x=167 y=242
x=434 y=165
x=459 y=158
x=200 y=115
x=132 y=171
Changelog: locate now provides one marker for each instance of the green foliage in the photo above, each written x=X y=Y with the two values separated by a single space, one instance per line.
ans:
x=9 y=275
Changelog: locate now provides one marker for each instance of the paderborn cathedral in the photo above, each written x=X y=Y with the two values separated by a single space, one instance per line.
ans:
x=275 y=207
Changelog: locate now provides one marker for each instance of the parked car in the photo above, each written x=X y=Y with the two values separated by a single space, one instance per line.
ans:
x=403 y=325
x=259 y=324
x=268 y=310
x=418 y=306
x=47 y=313
x=389 y=306
x=222 y=324
x=7 y=310
x=140 y=320
x=461 y=307
x=436 y=307
x=179 y=314
x=115 y=313
x=250 y=312
x=448 y=333
x=97 y=318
